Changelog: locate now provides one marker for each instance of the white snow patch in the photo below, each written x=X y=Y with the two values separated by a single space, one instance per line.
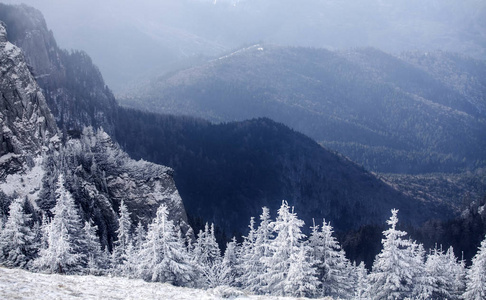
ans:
x=11 y=49
x=20 y=284
x=25 y=185
x=240 y=51
x=7 y=157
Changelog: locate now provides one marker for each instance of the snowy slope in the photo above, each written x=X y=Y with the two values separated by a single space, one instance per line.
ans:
x=20 y=284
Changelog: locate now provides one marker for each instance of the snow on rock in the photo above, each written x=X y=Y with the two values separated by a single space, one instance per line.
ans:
x=26 y=184
x=20 y=284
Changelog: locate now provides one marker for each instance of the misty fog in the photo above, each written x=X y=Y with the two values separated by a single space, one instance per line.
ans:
x=132 y=41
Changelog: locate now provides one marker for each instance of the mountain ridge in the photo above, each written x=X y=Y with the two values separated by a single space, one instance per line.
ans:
x=381 y=111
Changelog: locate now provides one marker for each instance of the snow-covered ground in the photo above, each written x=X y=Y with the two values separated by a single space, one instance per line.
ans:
x=20 y=284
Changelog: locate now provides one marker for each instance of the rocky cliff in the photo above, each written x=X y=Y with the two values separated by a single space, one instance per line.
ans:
x=73 y=86
x=98 y=173
x=25 y=121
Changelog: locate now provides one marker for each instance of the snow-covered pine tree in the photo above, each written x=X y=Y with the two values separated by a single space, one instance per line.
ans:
x=229 y=263
x=163 y=256
x=361 y=282
x=333 y=269
x=245 y=258
x=476 y=275
x=64 y=252
x=446 y=273
x=457 y=271
x=301 y=279
x=97 y=261
x=391 y=277
x=207 y=257
x=286 y=243
x=120 y=246
x=17 y=247
x=254 y=269
x=139 y=236
x=421 y=281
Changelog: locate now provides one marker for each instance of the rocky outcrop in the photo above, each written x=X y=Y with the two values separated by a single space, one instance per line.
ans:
x=73 y=86
x=98 y=173
x=25 y=121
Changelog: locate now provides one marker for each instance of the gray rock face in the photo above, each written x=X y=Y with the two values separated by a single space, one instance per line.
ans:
x=73 y=86
x=25 y=121
x=98 y=173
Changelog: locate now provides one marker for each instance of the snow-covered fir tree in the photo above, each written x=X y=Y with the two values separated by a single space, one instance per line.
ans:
x=476 y=275
x=301 y=279
x=360 y=282
x=229 y=264
x=246 y=263
x=206 y=255
x=252 y=266
x=287 y=242
x=163 y=256
x=421 y=281
x=139 y=236
x=333 y=269
x=120 y=255
x=64 y=251
x=446 y=274
x=391 y=276
x=17 y=246
x=457 y=270
x=97 y=261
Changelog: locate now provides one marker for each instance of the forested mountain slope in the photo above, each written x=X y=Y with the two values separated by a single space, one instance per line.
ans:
x=399 y=115
x=226 y=172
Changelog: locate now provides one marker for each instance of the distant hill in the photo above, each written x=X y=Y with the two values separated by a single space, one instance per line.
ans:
x=226 y=172
x=130 y=41
x=419 y=113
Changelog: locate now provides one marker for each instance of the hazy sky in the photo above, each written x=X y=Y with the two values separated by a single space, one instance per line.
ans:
x=133 y=40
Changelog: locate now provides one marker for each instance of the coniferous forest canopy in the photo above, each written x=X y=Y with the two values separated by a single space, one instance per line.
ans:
x=296 y=151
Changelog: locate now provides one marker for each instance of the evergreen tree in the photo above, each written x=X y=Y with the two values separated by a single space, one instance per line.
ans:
x=253 y=267
x=97 y=260
x=446 y=274
x=120 y=253
x=421 y=281
x=64 y=252
x=246 y=263
x=163 y=256
x=391 y=277
x=139 y=236
x=333 y=269
x=229 y=264
x=207 y=257
x=287 y=242
x=361 y=282
x=301 y=279
x=17 y=247
x=457 y=271
x=476 y=275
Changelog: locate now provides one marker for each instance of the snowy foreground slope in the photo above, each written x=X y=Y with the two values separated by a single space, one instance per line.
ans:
x=20 y=284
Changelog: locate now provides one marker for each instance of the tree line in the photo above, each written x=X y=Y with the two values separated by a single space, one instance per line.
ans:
x=274 y=258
